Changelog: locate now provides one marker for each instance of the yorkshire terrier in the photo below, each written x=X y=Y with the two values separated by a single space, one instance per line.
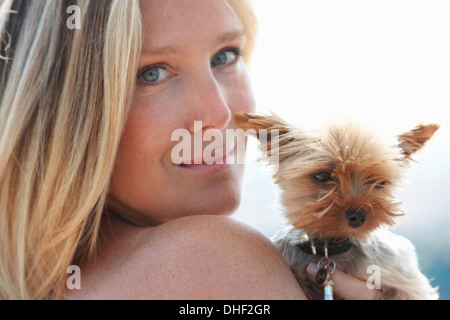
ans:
x=337 y=193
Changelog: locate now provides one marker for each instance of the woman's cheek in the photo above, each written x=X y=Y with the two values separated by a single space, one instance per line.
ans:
x=245 y=101
x=239 y=93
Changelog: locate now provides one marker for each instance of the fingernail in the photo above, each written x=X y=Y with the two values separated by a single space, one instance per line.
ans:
x=311 y=270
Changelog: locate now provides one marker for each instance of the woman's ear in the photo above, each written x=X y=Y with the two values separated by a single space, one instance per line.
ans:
x=412 y=141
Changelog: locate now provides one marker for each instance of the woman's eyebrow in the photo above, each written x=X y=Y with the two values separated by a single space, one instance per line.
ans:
x=161 y=51
x=169 y=49
x=232 y=35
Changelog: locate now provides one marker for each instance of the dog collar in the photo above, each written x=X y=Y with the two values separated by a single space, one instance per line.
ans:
x=328 y=248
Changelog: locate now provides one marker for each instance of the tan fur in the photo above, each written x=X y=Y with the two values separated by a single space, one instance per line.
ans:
x=364 y=171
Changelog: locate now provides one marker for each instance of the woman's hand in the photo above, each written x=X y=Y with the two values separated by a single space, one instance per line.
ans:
x=346 y=287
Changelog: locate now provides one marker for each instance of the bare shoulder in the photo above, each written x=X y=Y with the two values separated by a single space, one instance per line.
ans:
x=198 y=257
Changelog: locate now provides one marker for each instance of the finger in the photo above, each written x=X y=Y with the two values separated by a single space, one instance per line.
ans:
x=346 y=286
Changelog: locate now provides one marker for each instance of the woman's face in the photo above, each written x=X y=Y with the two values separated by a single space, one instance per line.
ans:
x=191 y=69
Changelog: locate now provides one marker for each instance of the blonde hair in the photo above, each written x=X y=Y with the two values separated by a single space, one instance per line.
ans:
x=64 y=98
x=244 y=11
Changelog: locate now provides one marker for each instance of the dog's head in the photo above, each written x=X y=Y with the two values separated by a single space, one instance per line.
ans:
x=337 y=182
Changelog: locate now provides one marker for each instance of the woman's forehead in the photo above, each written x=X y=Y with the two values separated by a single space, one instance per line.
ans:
x=169 y=24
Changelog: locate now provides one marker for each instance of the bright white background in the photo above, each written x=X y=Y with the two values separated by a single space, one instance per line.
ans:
x=383 y=63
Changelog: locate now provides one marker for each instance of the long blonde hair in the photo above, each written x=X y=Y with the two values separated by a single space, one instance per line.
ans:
x=64 y=98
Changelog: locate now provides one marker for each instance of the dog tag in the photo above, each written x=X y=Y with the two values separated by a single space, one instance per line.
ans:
x=322 y=276
x=326 y=268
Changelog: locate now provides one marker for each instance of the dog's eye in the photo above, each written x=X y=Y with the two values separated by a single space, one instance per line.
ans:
x=322 y=176
x=381 y=185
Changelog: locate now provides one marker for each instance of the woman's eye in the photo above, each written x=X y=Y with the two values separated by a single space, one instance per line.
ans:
x=226 y=57
x=153 y=75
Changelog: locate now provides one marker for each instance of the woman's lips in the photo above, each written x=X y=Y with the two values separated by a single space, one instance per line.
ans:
x=210 y=164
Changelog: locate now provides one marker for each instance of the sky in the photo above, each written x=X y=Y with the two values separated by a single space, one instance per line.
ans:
x=383 y=63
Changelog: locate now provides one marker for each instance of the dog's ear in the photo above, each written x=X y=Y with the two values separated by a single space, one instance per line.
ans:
x=267 y=128
x=257 y=122
x=414 y=140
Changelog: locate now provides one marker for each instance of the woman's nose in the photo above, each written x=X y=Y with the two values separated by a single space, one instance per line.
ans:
x=208 y=104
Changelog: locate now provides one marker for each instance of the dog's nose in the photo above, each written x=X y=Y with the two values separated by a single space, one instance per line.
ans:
x=355 y=217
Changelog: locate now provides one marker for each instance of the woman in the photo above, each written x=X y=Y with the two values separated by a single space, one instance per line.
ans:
x=87 y=176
